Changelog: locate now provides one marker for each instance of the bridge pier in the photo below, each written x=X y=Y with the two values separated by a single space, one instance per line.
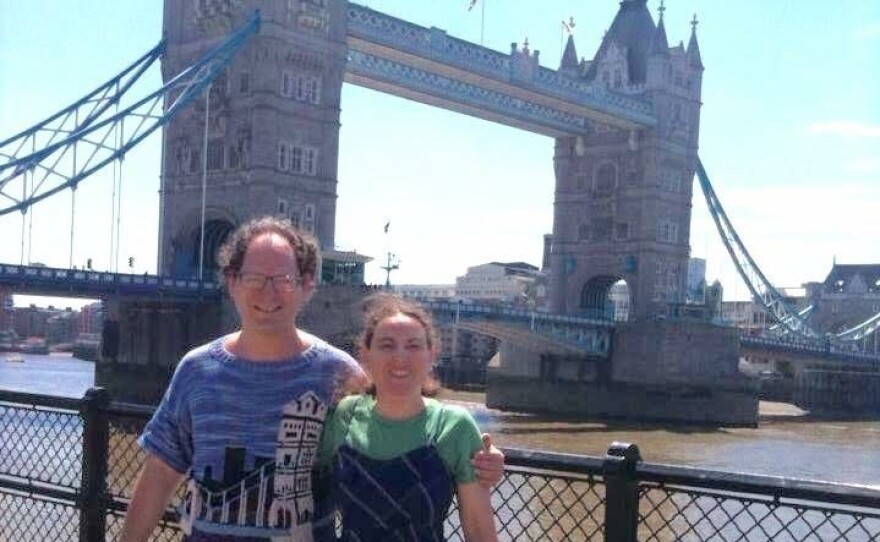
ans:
x=144 y=339
x=666 y=371
x=844 y=392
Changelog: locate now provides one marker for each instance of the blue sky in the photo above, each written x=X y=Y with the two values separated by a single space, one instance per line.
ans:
x=790 y=135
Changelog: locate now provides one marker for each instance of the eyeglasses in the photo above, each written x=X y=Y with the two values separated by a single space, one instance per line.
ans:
x=257 y=281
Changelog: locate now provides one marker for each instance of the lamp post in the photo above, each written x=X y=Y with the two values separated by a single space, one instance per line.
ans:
x=391 y=264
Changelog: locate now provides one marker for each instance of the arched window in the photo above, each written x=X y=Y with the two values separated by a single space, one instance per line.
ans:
x=605 y=180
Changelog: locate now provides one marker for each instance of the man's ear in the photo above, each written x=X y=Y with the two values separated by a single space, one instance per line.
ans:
x=308 y=285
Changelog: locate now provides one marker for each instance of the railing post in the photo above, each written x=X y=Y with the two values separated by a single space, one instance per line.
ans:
x=621 y=492
x=93 y=486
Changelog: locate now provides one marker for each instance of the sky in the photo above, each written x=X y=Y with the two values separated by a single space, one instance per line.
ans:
x=790 y=136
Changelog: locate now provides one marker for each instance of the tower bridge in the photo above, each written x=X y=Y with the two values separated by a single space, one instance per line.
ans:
x=251 y=110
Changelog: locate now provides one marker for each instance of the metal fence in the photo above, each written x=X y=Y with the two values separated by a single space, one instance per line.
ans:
x=67 y=468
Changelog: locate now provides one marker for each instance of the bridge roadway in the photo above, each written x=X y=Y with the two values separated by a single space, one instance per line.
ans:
x=53 y=281
x=591 y=336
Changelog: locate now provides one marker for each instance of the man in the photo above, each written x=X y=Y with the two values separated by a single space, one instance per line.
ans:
x=243 y=414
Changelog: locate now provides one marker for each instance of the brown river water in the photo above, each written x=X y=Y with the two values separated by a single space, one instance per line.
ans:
x=787 y=442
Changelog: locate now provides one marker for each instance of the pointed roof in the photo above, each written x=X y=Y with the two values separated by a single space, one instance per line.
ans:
x=693 y=50
x=841 y=275
x=659 y=45
x=634 y=29
x=569 y=56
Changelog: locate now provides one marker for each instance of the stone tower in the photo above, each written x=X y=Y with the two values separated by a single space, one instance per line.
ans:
x=623 y=198
x=273 y=125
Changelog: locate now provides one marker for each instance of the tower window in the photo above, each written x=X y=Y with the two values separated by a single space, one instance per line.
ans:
x=287 y=84
x=297 y=159
x=216 y=154
x=284 y=156
x=308 y=89
x=605 y=180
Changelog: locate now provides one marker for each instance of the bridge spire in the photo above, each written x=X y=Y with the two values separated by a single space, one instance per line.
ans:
x=569 y=60
x=659 y=43
x=693 y=48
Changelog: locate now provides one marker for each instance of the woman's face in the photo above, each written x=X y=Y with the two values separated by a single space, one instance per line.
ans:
x=399 y=357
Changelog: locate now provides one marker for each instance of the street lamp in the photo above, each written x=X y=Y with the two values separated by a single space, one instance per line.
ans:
x=392 y=263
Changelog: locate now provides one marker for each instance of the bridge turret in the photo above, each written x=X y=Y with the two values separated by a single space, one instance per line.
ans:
x=695 y=60
x=569 y=63
x=623 y=197
x=658 y=54
x=271 y=140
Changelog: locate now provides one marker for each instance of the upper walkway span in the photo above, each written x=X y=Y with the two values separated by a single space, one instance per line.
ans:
x=429 y=66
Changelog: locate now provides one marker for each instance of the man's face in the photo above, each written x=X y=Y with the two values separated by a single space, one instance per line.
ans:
x=268 y=291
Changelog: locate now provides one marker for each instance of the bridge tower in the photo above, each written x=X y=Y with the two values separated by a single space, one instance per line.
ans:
x=272 y=125
x=623 y=198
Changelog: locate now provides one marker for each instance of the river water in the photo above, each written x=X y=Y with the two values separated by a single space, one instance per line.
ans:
x=786 y=443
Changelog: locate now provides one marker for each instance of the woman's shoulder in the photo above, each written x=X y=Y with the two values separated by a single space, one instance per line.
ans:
x=450 y=415
x=351 y=403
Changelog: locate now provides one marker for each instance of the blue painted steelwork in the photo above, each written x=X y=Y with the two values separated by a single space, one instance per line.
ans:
x=774 y=302
x=761 y=289
x=585 y=335
x=86 y=283
x=860 y=331
x=79 y=114
x=779 y=329
x=527 y=114
x=824 y=348
x=412 y=58
x=110 y=139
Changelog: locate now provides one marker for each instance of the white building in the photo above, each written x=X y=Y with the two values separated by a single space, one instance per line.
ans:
x=496 y=281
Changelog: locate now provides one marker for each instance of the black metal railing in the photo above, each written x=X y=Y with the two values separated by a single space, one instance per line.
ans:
x=68 y=466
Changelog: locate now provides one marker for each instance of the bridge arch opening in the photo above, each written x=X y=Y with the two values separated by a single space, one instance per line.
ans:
x=606 y=297
x=186 y=253
x=216 y=231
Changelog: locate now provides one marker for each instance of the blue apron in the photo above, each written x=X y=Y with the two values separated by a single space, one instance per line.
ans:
x=402 y=499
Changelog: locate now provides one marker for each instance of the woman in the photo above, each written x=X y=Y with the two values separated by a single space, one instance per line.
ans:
x=397 y=457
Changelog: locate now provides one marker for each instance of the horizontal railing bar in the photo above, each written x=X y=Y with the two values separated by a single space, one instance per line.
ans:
x=775 y=487
x=42 y=489
x=23 y=399
x=537 y=459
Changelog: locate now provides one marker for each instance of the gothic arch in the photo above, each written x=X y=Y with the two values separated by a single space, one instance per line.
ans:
x=606 y=297
x=187 y=243
x=605 y=178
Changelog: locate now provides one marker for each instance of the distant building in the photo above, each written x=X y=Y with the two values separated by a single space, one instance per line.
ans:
x=752 y=316
x=91 y=318
x=61 y=327
x=848 y=296
x=504 y=282
x=618 y=295
x=696 y=281
x=31 y=321
x=7 y=311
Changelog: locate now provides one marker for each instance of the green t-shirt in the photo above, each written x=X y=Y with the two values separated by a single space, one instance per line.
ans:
x=452 y=428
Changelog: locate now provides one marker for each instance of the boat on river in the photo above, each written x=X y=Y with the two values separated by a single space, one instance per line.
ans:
x=14 y=358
